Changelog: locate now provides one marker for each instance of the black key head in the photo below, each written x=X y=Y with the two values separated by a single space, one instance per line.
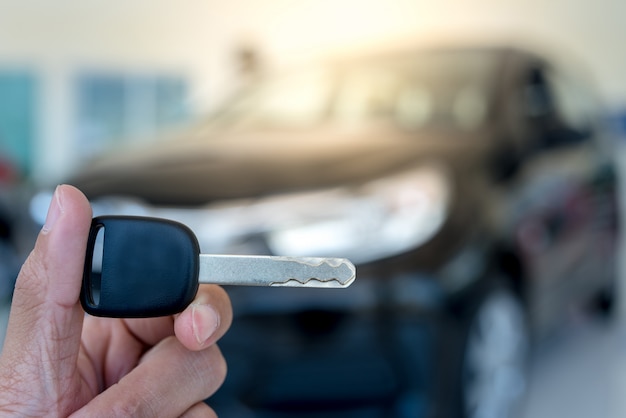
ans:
x=139 y=267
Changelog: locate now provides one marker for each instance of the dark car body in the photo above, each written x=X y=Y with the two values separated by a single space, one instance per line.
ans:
x=514 y=199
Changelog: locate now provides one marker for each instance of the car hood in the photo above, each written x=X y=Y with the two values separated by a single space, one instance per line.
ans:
x=198 y=169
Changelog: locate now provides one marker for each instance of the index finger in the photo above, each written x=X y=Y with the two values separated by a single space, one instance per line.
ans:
x=204 y=321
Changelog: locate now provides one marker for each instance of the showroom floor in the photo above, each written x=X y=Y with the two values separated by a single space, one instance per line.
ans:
x=581 y=372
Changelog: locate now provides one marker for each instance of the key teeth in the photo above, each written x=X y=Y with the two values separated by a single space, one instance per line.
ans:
x=318 y=261
x=331 y=282
x=314 y=282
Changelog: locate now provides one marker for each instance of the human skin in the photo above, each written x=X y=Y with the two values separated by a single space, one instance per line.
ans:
x=59 y=362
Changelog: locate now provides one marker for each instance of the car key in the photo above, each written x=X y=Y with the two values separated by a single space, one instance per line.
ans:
x=144 y=267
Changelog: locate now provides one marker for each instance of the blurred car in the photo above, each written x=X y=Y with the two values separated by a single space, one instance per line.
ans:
x=473 y=187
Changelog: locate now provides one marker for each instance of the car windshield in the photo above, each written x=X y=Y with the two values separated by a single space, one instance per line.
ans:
x=438 y=90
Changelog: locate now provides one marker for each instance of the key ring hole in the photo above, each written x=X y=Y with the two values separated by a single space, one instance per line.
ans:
x=95 y=276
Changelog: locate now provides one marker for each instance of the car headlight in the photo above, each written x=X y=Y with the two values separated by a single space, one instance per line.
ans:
x=382 y=218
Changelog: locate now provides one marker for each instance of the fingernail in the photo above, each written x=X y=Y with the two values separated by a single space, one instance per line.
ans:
x=54 y=211
x=204 y=321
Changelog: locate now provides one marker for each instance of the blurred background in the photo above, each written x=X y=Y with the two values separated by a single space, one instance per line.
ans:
x=82 y=80
x=85 y=75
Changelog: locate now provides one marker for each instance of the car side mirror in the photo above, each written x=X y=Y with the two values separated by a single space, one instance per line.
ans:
x=564 y=136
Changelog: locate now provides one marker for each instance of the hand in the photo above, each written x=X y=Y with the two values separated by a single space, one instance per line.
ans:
x=58 y=362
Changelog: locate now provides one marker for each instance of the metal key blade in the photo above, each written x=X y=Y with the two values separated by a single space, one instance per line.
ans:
x=276 y=271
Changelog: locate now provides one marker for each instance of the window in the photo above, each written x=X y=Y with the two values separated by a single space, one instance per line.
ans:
x=17 y=117
x=113 y=108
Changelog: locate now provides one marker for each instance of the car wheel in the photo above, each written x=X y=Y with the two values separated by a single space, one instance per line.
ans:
x=494 y=364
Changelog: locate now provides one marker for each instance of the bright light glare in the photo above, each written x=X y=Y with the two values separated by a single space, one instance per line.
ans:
x=386 y=218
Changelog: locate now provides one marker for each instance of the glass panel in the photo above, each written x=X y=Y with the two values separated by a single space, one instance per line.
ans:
x=17 y=118
x=113 y=108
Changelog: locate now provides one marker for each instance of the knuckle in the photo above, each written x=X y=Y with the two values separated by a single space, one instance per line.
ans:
x=30 y=280
x=139 y=406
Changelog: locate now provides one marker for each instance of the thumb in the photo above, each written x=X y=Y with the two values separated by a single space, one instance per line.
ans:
x=43 y=333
